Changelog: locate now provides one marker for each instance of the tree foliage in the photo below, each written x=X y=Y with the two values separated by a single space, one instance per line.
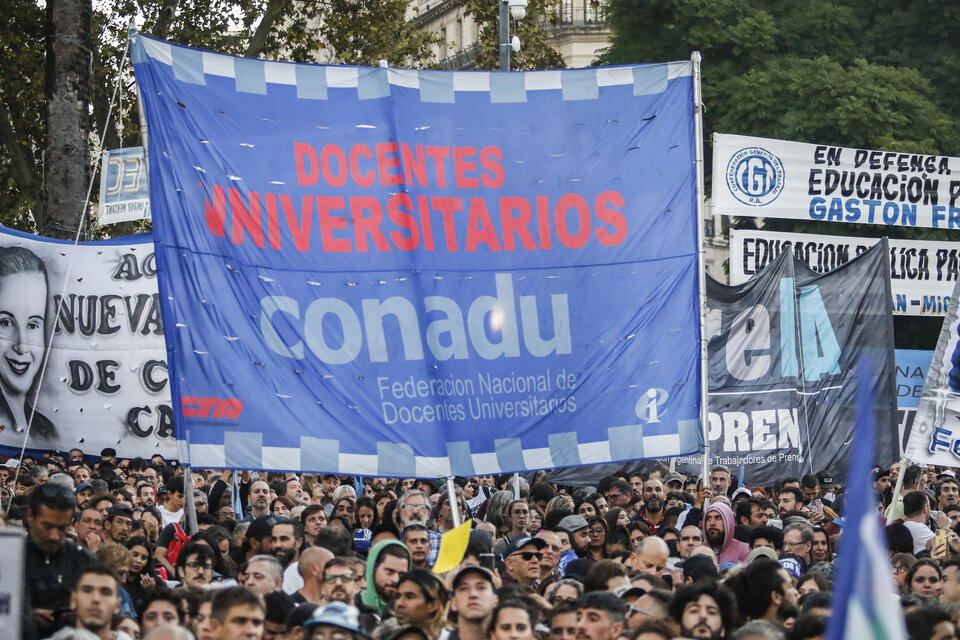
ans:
x=535 y=50
x=338 y=31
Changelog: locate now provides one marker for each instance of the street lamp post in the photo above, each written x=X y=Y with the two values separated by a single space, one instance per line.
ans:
x=518 y=10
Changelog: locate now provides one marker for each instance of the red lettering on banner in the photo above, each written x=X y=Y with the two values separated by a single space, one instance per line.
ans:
x=334 y=179
x=364 y=226
x=387 y=162
x=461 y=167
x=404 y=219
x=273 y=221
x=543 y=222
x=516 y=226
x=243 y=219
x=611 y=217
x=425 y=223
x=300 y=231
x=438 y=154
x=579 y=205
x=447 y=207
x=216 y=216
x=220 y=408
x=305 y=152
x=368 y=177
x=488 y=160
x=480 y=227
x=414 y=164
x=329 y=222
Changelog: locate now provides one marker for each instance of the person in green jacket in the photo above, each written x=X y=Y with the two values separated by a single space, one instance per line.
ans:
x=387 y=561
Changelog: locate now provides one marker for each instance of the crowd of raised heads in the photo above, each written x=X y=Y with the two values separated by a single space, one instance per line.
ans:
x=640 y=556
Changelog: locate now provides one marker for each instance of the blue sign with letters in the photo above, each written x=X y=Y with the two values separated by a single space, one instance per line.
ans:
x=424 y=273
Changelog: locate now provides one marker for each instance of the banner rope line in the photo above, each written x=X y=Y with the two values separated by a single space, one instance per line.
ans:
x=66 y=278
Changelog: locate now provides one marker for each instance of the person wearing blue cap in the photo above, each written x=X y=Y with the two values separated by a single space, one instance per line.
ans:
x=332 y=621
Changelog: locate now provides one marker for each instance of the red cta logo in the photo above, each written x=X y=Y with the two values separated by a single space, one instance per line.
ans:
x=200 y=407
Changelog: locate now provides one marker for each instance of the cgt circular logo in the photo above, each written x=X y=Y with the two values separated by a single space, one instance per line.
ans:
x=755 y=176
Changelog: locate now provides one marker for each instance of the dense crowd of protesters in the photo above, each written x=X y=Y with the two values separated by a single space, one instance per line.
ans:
x=644 y=556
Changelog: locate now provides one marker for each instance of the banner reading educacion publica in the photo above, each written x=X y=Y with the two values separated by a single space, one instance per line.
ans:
x=106 y=379
x=424 y=273
x=764 y=177
x=922 y=272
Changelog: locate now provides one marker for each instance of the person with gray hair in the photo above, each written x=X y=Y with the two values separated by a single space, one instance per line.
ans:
x=62 y=479
x=759 y=630
x=344 y=491
x=798 y=541
x=263 y=574
x=720 y=480
x=413 y=507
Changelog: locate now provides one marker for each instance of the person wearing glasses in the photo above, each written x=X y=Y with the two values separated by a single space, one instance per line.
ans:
x=522 y=560
x=798 y=541
x=195 y=565
x=414 y=508
x=620 y=494
x=53 y=562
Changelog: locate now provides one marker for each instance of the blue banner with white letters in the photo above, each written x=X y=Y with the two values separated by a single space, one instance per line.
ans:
x=424 y=273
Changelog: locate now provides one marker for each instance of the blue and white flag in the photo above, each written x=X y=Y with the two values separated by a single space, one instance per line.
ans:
x=865 y=604
x=424 y=273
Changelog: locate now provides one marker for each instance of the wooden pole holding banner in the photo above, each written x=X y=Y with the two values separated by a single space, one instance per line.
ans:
x=454 y=507
x=701 y=265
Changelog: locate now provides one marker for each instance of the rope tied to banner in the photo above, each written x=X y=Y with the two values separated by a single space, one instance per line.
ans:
x=48 y=346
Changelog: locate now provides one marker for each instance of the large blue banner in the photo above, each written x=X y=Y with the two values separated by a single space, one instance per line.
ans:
x=399 y=272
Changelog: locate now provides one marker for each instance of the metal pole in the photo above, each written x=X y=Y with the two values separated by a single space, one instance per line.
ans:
x=701 y=266
x=516 y=486
x=454 y=507
x=504 y=36
x=188 y=490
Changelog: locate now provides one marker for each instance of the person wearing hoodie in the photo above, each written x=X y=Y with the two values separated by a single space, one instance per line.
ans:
x=387 y=561
x=718 y=528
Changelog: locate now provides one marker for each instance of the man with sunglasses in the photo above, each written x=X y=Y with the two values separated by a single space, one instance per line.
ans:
x=53 y=563
x=522 y=560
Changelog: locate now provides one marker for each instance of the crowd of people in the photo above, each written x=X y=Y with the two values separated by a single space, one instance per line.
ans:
x=110 y=553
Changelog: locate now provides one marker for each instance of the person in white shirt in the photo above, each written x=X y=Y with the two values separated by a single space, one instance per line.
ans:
x=916 y=513
x=172 y=509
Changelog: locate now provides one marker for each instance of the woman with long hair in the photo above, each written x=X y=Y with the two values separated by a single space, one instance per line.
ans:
x=925 y=578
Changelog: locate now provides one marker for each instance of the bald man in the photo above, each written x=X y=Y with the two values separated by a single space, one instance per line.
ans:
x=311 y=565
x=650 y=557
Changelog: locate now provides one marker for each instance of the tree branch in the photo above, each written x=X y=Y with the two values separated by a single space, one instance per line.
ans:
x=270 y=15
x=167 y=13
x=23 y=165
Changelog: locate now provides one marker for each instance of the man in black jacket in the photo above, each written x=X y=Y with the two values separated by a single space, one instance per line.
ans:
x=53 y=563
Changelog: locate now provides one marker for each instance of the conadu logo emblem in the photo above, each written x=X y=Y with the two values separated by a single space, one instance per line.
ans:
x=755 y=176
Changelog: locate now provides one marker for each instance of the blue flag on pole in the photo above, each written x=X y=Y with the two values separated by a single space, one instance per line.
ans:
x=865 y=604
x=399 y=272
